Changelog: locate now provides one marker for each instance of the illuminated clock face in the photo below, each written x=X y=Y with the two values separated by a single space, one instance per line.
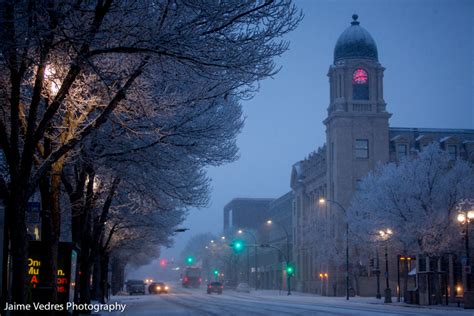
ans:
x=359 y=76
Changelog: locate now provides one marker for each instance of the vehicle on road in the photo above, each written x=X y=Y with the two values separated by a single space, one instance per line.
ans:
x=192 y=277
x=243 y=287
x=158 y=288
x=215 y=287
x=135 y=286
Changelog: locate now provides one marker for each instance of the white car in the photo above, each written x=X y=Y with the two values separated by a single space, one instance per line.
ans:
x=243 y=287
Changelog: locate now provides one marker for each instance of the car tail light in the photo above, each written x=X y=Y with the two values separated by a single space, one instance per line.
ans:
x=209 y=286
x=222 y=286
x=200 y=280
x=185 y=279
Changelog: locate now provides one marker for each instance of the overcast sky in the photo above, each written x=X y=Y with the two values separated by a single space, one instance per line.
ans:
x=426 y=47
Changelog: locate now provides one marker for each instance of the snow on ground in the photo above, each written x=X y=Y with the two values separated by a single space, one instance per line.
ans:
x=267 y=302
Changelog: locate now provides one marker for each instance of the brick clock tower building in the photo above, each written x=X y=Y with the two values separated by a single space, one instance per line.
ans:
x=358 y=137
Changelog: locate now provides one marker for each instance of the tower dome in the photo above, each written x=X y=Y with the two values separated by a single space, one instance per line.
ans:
x=355 y=42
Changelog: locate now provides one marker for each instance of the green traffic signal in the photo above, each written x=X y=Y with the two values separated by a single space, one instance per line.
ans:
x=190 y=260
x=290 y=270
x=238 y=245
x=216 y=272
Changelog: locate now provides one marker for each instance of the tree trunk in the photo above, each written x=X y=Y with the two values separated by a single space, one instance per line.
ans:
x=96 y=278
x=19 y=242
x=104 y=272
x=118 y=275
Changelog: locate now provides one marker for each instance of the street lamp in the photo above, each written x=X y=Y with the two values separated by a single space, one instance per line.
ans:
x=240 y=232
x=464 y=218
x=385 y=235
x=288 y=274
x=323 y=201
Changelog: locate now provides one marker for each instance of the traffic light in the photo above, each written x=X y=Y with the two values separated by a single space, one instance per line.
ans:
x=163 y=263
x=238 y=245
x=216 y=272
x=290 y=270
x=189 y=260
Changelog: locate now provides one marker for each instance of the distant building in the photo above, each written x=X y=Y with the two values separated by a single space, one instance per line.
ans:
x=245 y=213
x=251 y=215
x=358 y=137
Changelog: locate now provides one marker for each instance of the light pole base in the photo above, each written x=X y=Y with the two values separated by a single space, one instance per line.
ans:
x=388 y=295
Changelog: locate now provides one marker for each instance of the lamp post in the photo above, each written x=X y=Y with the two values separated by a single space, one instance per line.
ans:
x=288 y=276
x=323 y=201
x=377 y=272
x=386 y=235
x=464 y=218
x=240 y=232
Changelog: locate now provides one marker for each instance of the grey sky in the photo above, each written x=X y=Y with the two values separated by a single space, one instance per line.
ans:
x=426 y=47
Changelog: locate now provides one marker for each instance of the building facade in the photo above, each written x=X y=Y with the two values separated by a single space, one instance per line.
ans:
x=358 y=137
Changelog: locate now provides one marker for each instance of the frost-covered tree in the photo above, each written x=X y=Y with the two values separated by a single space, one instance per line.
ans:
x=65 y=67
x=416 y=199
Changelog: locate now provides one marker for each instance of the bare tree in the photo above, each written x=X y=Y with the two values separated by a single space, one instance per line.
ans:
x=66 y=66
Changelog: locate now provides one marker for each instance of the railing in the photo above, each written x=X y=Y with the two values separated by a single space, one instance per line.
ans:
x=361 y=107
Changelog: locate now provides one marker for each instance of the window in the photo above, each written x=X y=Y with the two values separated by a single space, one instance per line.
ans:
x=452 y=151
x=402 y=151
x=362 y=148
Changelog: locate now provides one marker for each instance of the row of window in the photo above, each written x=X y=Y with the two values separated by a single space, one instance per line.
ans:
x=362 y=150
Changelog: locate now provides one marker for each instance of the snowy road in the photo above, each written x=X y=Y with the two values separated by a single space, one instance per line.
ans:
x=197 y=302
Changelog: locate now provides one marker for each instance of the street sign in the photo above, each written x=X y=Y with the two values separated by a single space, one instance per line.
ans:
x=66 y=269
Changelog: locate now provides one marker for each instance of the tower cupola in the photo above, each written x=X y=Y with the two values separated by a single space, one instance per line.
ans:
x=355 y=43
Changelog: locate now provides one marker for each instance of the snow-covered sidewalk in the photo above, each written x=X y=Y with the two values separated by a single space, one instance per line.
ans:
x=309 y=298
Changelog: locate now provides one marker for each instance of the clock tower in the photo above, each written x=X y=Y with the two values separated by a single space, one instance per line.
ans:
x=357 y=122
x=357 y=133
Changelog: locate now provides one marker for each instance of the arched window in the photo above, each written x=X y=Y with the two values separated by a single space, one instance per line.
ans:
x=360 y=85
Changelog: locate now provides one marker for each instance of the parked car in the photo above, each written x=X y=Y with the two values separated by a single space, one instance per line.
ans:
x=158 y=288
x=135 y=286
x=243 y=287
x=215 y=287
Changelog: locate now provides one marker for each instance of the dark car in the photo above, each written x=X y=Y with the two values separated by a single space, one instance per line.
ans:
x=215 y=287
x=158 y=288
x=135 y=286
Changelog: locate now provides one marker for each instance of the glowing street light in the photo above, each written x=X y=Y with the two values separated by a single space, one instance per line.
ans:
x=323 y=201
x=386 y=235
x=288 y=278
x=465 y=216
x=240 y=232
x=51 y=78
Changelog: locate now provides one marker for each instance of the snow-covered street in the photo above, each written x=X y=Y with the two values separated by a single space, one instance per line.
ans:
x=196 y=302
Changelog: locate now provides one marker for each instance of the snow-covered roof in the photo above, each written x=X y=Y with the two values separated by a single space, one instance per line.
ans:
x=355 y=42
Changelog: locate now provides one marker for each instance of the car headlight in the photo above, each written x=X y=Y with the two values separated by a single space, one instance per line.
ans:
x=166 y=288
x=158 y=287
